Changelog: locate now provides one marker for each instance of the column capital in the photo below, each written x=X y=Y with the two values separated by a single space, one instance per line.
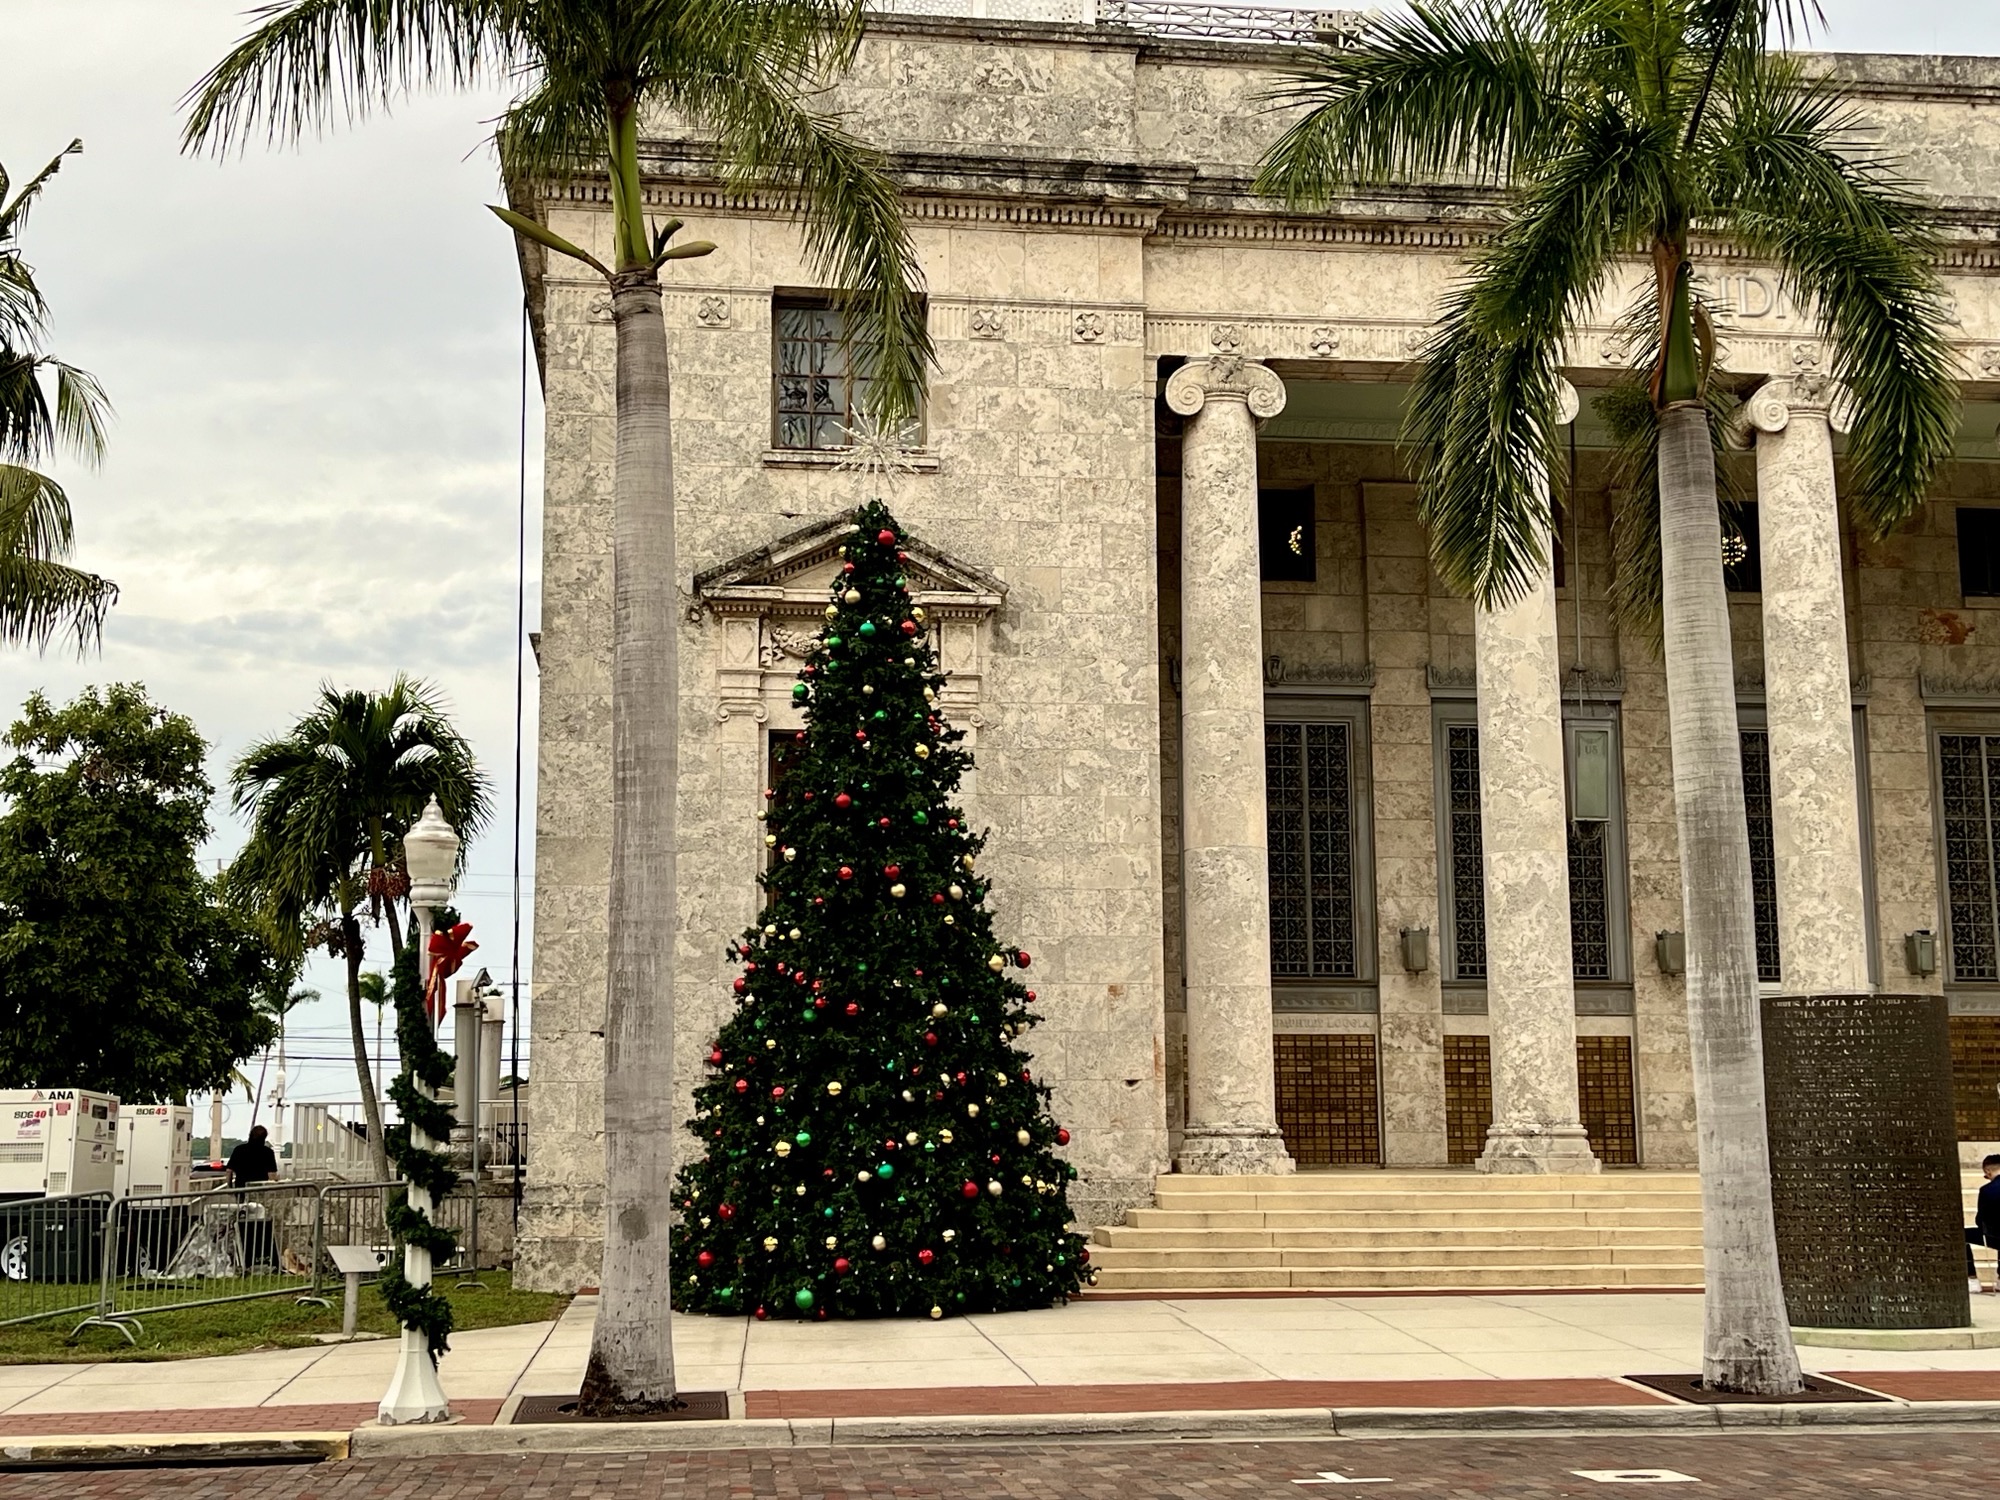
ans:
x=1806 y=389
x=1226 y=377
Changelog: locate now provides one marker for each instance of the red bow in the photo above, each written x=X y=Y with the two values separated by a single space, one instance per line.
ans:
x=448 y=950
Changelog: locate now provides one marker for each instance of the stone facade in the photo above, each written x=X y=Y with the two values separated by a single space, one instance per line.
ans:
x=1079 y=196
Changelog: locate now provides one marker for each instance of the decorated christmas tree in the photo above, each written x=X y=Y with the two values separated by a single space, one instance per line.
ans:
x=877 y=1145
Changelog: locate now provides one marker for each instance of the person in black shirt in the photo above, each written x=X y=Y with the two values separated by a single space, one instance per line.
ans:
x=254 y=1161
x=1985 y=1228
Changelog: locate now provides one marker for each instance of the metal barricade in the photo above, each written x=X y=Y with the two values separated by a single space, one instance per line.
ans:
x=355 y=1213
x=173 y=1250
x=51 y=1255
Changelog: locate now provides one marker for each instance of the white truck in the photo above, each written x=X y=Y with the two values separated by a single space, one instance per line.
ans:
x=57 y=1141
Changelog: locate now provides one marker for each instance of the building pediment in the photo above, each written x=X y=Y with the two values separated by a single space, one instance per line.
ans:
x=789 y=579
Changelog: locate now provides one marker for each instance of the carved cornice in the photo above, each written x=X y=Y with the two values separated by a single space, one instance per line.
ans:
x=1961 y=691
x=1278 y=672
x=1451 y=682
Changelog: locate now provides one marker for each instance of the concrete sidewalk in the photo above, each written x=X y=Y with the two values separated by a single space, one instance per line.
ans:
x=1237 y=1353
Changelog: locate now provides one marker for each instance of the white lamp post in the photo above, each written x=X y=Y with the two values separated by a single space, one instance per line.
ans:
x=431 y=852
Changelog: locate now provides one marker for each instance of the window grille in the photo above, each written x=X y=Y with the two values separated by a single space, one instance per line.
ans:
x=816 y=390
x=1589 y=901
x=1763 y=854
x=1468 y=855
x=1468 y=1097
x=1969 y=786
x=1604 y=1098
x=1975 y=1072
x=1309 y=790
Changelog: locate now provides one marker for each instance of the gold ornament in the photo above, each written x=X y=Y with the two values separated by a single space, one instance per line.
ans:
x=770 y=931
x=940 y=1008
x=833 y=612
x=832 y=1242
x=790 y=854
x=1023 y=1137
x=770 y=839
x=879 y=1243
x=783 y=1148
x=996 y=963
x=937 y=1312
x=800 y=1190
x=852 y=596
x=864 y=1176
x=770 y=1044
x=956 y=892
x=950 y=921
x=834 y=1088
x=972 y=1110
x=996 y=1187
x=923 y=752
x=909 y=661
x=911 y=1139
x=945 y=1136
x=770 y=1243
x=917 y=614
x=898 y=890
x=950 y=1235
x=1027 y=1181
x=908 y=1097
x=794 y=934
x=867 y=689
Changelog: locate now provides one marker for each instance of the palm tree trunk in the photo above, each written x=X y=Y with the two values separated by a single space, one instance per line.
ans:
x=1747 y=1342
x=631 y=1355
x=371 y=1107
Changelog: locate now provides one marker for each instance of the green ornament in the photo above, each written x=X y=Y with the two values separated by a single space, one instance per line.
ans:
x=827 y=1212
x=804 y=1138
x=920 y=818
x=808 y=1013
x=867 y=627
x=832 y=641
x=803 y=1298
x=885 y=1171
x=881 y=713
x=930 y=1145
x=798 y=692
x=758 y=1023
x=958 y=1296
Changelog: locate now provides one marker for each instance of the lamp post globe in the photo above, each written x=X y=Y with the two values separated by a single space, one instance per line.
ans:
x=430 y=850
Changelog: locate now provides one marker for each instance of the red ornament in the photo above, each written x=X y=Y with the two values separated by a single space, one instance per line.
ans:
x=889 y=1145
x=996 y=1158
x=861 y=734
x=938 y=899
x=783 y=970
x=843 y=801
x=920 y=973
x=930 y=1038
x=1031 y=996
x=1062 y=1137
x=840 y=1265
x=903 y=557
x=1083 y=1256
x=925 y=1257
x=726 y=1211
x=762 y=1315
x=818 y=985
x=853 y=1009
x=845 y=873
x=847 y=567
x=969 y=1190
x=909 y=627
x=951 y=822
x=819 y=1002
x=749 y=968
x=798 y=976
x=770 y=792
x=739 y=986
x=742 y=1085
x=819 y=901
x=777 y=1091
x=961 y=1080
x=892 y=871
x=704 y=1260
x=809 y=796
x=881 y=822
x=715 y=1056
x=1026 y=1077
x=885 y=536
x=1022 y=958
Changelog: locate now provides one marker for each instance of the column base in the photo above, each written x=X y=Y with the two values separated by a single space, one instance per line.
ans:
x=1528 y=1150
x=1227 y=1152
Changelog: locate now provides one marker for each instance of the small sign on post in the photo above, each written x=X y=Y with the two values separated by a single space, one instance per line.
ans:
x=354 y=1262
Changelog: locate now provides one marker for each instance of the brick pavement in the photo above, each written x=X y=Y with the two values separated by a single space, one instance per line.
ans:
x=331 y=1416
x=1806 y=1466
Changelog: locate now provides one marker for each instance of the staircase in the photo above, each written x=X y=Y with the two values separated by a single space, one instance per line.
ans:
x=1346 y=1231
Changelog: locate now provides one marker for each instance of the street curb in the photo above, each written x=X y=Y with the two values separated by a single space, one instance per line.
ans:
x=1286 y=1424
x=138 y=1450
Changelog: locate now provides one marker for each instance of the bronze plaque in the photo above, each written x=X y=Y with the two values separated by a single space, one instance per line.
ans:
x=1864 y=1161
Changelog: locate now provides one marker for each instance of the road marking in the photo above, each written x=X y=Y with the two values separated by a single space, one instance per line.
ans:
x=1327 y=1476
x=1635 y=1476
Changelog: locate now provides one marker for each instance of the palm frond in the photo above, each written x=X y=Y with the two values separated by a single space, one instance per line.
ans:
x=31 y=427
x=41 y=596
x=14 y=213
x=306 y=63
x=1449 y=90
x=1856 y=249
x=850 y=217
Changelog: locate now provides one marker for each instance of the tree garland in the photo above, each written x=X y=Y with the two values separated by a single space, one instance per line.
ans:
x=424 y=1309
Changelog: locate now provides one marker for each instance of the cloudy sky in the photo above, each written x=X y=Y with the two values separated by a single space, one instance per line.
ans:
x=315 y=355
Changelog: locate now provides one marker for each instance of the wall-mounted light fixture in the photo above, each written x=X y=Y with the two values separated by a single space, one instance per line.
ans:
x=1670 y=951
x=1416 y=948
x=1920 y=952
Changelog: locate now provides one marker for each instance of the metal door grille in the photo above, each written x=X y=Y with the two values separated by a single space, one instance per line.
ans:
x=1604 y=1098
x=1309 y=790
x=1969 y=784
x=1763 y=854
x=1589 y=901
x=1975 y=1076
x=1468 y=853
x=1468 y=1097
x=816 y=389
x=1329 y=1105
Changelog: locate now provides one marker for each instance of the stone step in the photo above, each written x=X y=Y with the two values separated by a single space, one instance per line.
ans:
x=1383 y=1201
x=1415 y=1218
x=1143 y=1236
x=1122 y=1258
x=1410 y=1277
x=1467 y=1181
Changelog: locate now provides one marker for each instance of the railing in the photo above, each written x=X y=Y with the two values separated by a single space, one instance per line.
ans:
x=51 y=1255
x=1221 y=22
x=325 y=1143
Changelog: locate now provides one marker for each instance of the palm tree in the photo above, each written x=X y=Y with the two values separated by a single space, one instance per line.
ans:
x=41 y=596
x=329 y=802
x=1618 y=130
x=590 y=71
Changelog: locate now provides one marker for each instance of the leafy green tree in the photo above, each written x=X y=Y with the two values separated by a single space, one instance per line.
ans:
x=1618 y=128
x=877 y=1145
x=41 y=596
x=121 y=966
x=590 y=71
x=329 y=802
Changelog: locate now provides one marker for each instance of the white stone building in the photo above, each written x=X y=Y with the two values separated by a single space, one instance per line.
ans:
x=1141 y=369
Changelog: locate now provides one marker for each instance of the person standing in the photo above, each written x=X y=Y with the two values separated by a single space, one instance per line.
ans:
x=254 y=1161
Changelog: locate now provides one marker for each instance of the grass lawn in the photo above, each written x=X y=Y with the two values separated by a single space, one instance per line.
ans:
x=268 y=1323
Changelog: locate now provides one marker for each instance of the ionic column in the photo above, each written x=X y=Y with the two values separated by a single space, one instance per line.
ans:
x=1524 y=827
x=1809 y=706
x=1232 y=1122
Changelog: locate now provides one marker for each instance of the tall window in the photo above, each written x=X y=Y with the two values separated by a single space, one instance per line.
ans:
x=1598 y=942
x=1968 y=793
x=1763 y=851
x=1316 y=817
x=816 y=392
x=1978 y=552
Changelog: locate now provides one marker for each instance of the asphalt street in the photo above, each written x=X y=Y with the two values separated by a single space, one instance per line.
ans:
x=1806 y=1466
